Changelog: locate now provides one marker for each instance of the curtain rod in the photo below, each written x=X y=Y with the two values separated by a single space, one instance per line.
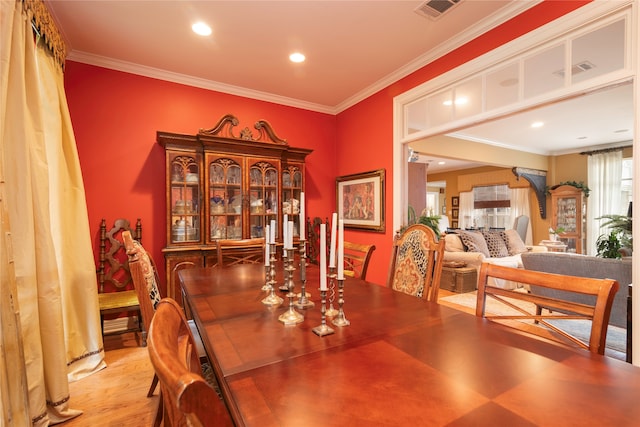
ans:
x=605 y=150
x=46 y=27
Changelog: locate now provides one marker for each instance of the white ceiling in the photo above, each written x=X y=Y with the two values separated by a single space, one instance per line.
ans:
x=353 y=49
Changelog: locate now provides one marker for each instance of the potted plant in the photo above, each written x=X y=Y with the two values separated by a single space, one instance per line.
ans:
x=554 y=235
x=621 y=225
x=608 y=246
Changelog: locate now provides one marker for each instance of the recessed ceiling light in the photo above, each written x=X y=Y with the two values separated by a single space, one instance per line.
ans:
x=201 y=29
x=296 y=57
x=537 y=124
x=441 y=163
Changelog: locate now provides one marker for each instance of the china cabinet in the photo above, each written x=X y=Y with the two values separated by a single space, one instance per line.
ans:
x=568 y=212
x=226 y=184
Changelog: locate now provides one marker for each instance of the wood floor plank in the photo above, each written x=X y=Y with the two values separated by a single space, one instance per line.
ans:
x=116 y=395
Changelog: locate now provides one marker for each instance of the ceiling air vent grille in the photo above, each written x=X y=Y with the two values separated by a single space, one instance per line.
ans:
x=577 y=68
x=434 y=9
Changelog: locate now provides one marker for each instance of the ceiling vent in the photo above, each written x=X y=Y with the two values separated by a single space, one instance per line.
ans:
x=434 y=9
x=578 y=68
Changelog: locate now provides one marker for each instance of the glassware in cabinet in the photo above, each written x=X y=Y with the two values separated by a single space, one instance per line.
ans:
x=263 y=196
x=184 y=198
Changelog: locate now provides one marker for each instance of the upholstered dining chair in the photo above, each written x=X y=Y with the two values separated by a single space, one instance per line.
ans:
x=559 y=311
x=416 y=262
x=146 y=283
x=115 y=287
x=187 y=399
x=356 y=259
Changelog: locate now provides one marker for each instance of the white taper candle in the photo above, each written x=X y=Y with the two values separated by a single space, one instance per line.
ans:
x=341 y=250
x=332 y=249
x=323 y=257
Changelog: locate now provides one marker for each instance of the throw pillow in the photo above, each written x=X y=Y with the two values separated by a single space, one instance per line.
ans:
x=452 y=243
x=496 y=244
x=515 y=245
x=474 y=241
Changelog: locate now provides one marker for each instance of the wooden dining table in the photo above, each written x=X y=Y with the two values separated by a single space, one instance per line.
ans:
x=402 y=361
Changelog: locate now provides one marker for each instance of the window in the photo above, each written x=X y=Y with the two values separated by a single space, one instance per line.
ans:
x=492 y=207
x=627 y=181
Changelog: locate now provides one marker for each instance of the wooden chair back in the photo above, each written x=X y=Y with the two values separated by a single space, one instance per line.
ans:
x=313 y=239
x=244 y=251
x=601 y=290
x=113 y=268
x=416 y=262
x=356 y=259
x=144 y=276
x=115 y=286
x=187 y=399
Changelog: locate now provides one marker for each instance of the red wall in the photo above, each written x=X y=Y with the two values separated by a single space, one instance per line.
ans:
x=116 y=115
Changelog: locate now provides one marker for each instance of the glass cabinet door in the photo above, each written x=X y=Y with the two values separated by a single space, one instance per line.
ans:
x=263 y=196
x=291 y=192
x=566 y=216
x=184 y=197
x=225 y=198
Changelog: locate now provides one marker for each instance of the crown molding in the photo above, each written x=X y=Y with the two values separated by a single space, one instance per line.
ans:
x=156 y=73
x=459 y=40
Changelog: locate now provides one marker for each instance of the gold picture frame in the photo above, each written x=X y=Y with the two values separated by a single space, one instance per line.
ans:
x=360 y=200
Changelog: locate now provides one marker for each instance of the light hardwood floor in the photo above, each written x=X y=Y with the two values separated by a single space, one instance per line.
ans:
x=116 y=395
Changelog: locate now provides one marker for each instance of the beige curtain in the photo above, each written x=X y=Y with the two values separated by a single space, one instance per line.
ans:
x=49 y=239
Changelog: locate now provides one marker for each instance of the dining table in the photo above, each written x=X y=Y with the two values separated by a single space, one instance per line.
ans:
x=401 y=360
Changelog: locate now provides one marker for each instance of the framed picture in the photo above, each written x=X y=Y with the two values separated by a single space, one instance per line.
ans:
x=454 y=213
x=360 y=200
x=455 y=201
x=454 y=224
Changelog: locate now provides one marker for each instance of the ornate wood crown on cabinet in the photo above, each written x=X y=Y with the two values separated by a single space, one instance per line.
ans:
x=226 y=183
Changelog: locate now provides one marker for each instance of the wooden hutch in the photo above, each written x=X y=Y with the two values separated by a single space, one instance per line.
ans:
x=568 y=212
x=223 y=186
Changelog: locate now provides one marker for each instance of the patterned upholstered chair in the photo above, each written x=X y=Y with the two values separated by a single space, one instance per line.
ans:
x=145 y=282
x=416 y=262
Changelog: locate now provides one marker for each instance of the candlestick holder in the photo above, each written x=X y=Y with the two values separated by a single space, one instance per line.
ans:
x=285 y=264
x=272 y=298
x=291 y=316
x=331 y=311
x=340 y=319
x=267 y=277
x=303 y=296
x=323 y=329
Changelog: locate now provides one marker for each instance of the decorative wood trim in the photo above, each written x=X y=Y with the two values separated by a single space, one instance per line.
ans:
x=224 y=128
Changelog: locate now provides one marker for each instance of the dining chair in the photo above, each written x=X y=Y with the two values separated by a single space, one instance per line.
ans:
x=416 y=262
x=356 y=259
x=552 y=322
x=242 y=251
x=115 y=287
x=313 y=238
x=146 y=284
x=186 y=397
x=145 y=281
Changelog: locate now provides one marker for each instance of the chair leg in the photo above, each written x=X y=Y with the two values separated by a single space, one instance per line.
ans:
x=143 y=331
x=154 y=384
x=157 y=422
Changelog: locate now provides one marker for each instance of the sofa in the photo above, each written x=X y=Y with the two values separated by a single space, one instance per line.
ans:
x=584 y=266
x=473 y=247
